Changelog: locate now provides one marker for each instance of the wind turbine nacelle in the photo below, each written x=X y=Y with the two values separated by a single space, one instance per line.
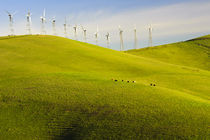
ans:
x=28 y=18
x=43 y=19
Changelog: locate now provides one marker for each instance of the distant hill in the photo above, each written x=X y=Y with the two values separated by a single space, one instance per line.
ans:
x=57 y=88
x=193 y=53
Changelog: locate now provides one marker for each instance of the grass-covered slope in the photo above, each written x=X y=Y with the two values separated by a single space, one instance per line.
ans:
x=56 y=88
x=193 y=53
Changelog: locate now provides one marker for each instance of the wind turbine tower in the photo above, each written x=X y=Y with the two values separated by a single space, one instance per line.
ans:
x=150 y=36
x=96 y=35
x=121 y=39
x=54 y=25
x=28 y=25
x=65 y=28
x=75 y=32
x=43 y=21
x=135 y=38
x=108 y=40
x=85 y=34
x=11 y=22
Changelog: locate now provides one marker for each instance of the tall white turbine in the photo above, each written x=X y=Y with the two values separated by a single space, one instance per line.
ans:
x=75 y=32
x=65 y=28
x=84 y=34
x=135 y=38
x=11 y=22
x=150 y=36
x=96 y=35
x=69 y=29
x=53 y=21
x=28 y=25
x=121 y=39
x=108 y=40
x=43 y=22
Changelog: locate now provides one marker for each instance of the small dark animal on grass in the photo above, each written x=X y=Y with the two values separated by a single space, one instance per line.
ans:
x=124 y=81
x=152 y=84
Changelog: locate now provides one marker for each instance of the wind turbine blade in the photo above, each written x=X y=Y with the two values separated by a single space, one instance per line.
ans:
x=65 y=21
x=97 y=28
x=7 y=12
x=15 y=13
x=44 y=13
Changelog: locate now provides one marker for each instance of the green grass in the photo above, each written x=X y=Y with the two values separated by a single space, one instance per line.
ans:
x=193 y=53
x=56 y=88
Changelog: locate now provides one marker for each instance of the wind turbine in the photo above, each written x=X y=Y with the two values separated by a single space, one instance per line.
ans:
x=150 y=36
x=135 y=38
x=28 y=25
x=108 y=39
x=96 y=35
x=43 y=21
x=121 y=39
x=53 y=20
x=11 y=22
x=84 y=33
x=65 y=28
x=75 y=32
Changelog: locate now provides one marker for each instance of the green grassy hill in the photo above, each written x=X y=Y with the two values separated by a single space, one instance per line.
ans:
x=193 y=53
x=56 y=88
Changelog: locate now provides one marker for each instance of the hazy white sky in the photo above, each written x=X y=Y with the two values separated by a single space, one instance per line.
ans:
x=172 y=22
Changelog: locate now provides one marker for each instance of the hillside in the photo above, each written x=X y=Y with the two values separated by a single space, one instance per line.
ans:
x=193 y=53
x=56 y=88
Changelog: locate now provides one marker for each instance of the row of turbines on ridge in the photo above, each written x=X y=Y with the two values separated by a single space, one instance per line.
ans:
x=53 y=21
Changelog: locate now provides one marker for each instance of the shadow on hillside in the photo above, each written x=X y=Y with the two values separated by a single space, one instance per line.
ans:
x=68 y=134
x=197 y=39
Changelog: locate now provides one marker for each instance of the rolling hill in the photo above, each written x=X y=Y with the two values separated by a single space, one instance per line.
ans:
x=56 y=88
x=193 y=53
